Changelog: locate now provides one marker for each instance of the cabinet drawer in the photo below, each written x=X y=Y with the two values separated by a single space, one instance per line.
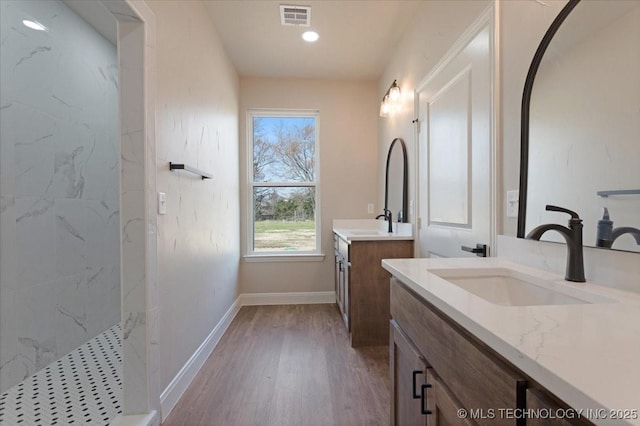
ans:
x=478 y=378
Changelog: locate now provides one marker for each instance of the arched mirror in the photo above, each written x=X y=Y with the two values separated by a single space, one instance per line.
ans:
x=395 y=189
x=581 y=124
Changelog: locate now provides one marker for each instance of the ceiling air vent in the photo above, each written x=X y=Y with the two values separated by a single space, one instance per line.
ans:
x=299 y=16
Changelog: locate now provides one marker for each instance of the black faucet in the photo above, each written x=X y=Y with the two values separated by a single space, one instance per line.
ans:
x=621 y=230
x=388 y=217
x=573 y=236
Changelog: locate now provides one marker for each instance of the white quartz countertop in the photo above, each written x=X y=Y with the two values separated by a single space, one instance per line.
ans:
x=586 y=354
x=371 y=230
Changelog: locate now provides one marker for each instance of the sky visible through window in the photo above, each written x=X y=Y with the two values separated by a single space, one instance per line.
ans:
x=274 y=137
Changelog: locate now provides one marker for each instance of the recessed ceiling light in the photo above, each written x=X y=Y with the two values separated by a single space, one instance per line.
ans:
x=34 y=25
x=310 y=36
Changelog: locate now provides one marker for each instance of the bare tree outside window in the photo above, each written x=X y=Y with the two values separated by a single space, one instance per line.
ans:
x=262 y=159
x=284 y=183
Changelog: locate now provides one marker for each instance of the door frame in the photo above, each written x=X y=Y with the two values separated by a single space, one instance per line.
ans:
x=489 y=17
x=136 y=41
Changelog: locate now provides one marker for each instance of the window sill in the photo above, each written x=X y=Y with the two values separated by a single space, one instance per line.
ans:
x=263 y=258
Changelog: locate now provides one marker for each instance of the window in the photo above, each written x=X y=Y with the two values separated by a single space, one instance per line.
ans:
x=283 y=183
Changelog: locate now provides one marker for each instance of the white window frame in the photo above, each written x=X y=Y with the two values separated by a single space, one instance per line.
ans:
x=281 y=255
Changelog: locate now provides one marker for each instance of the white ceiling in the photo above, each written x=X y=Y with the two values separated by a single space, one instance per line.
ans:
x=356 y=37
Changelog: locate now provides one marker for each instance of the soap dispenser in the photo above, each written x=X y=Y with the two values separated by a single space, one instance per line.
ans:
x=604 y=238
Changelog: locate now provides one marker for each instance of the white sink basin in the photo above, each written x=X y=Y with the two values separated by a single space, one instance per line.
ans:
x=506 y=287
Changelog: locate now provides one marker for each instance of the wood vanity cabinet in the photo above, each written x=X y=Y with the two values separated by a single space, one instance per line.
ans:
x=420 y=397
x=362 y=286
x=459 y=371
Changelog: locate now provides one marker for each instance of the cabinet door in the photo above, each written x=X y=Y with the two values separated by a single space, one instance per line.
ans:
x=338 y=285
x=342 y=288
x=443 y=405
x=408 y=374
x=540 y=402
x=346 y=298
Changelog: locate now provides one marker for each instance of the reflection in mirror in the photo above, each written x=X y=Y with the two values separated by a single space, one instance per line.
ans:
x=395 y=191
x=584 y=125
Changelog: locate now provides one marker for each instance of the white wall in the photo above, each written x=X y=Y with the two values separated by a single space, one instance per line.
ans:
x=196 y=124
x=436 y=27
x=59 y=197
x=349 y=168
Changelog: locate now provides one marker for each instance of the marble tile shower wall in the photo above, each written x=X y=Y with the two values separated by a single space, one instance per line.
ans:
x=59 y=186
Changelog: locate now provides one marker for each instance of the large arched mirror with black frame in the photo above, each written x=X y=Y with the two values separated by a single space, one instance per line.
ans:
x=580 y=135
x=396 y=181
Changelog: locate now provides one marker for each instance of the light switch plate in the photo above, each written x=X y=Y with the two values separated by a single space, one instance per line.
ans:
x=513 y=198
x=162 y=203
x=369 y=208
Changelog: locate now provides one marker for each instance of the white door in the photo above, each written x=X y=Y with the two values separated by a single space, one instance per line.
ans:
x=455 y=148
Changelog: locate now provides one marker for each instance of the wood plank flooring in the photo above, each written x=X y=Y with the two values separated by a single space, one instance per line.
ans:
x=288 y=365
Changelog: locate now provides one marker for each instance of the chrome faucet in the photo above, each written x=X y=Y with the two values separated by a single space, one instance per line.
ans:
x=573 y=237
x=388 y=217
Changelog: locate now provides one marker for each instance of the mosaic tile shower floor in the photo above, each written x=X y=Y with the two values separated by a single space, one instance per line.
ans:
x=82 y=388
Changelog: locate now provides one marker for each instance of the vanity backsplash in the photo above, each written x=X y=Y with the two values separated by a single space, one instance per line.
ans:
x=615 y=269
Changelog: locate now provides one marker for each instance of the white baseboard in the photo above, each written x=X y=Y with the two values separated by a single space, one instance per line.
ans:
x=170 y=396
x=300 y=298
x=150 y=419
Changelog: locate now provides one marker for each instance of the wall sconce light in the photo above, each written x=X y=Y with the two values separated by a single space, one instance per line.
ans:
x=391 y=100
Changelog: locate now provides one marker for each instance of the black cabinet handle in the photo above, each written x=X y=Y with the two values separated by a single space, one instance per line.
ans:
x=415 y=388
x=423 y=399
x=521 y=401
